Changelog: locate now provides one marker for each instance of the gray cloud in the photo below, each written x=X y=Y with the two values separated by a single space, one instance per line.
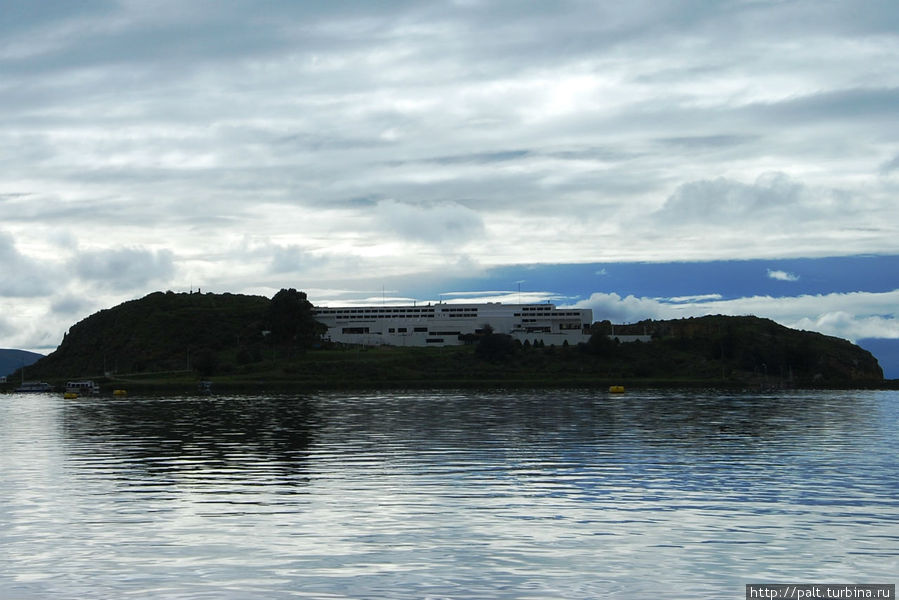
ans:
x=20 y=275
x=714 y=142
x=481 y=157
x=890 y=165
x=126 y=268
x=293 y=259
x=446 y=223
x=69 y=307
x=6 y=327
x=870 y=104
x=728 y=202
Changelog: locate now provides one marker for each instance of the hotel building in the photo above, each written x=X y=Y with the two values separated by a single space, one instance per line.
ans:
x=449 y=324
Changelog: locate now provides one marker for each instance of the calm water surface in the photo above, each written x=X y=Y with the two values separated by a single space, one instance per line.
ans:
x=543 y=494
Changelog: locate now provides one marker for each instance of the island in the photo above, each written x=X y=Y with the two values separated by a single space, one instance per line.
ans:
x=169 y=341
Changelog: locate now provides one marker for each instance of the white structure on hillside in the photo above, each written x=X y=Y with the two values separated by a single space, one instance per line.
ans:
x=448 y=324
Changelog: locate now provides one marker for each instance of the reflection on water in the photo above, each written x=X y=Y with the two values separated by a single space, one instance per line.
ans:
x=245 y=440
x=467 y=495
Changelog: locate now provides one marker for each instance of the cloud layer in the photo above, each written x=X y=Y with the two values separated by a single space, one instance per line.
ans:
x=246 y=147
x=851 y=316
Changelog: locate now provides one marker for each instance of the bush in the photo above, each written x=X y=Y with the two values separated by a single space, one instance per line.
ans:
x=496 y=346
x=602 y=345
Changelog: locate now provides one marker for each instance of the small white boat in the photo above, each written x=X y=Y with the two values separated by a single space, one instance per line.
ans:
x=82 y=388
x=34 y=386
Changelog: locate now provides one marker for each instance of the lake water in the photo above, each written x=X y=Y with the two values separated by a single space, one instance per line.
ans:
x=525 y=494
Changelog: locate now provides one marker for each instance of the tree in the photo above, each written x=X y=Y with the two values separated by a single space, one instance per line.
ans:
x=496 y=346
x=206 y=362
x=291 y=321
x=602 y=345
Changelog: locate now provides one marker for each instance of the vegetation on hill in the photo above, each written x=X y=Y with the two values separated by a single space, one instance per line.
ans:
x=174 y=332
x=736 y=347
x=170 y=339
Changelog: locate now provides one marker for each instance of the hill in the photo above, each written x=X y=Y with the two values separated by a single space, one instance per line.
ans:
x=167 y=339
x=745 y=347
x=160 y=332
x=11 y=360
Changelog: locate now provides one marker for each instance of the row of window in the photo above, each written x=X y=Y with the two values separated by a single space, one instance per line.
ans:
x=428 y=312
x=528 y=328
x=378 y=316
x=372 y=311
x=549 y=314
x=369 y=316
x=363 y=330
x=541 y=308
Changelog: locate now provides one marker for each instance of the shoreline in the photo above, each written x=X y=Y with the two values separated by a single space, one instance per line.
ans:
x=219 y=385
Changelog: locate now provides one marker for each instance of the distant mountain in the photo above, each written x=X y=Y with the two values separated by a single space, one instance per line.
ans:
x=887 y=352
x=12 y=360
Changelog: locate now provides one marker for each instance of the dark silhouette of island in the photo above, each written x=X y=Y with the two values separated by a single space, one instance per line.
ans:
x=166 y=340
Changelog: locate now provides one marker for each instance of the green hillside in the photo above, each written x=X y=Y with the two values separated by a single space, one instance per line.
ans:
x=160 y=332
x=744 y=348
x=248 y=342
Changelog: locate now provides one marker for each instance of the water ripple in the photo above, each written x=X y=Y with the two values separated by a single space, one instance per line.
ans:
x=563 y=494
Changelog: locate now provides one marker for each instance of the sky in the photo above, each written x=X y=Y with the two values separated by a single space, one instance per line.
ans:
x=644 y=159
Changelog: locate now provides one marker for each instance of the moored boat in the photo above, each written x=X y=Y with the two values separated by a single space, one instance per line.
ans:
x=82 y=388
x=34 y=386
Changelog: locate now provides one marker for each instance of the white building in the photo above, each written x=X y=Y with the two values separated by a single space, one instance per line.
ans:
x=446 y=324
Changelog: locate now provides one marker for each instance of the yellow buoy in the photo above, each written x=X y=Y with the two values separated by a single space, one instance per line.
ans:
x=119 y=392
x=616 y=389
x=70 y=395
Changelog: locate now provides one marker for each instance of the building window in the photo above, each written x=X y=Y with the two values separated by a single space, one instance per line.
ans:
x=355 y=330
x=434 y=340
